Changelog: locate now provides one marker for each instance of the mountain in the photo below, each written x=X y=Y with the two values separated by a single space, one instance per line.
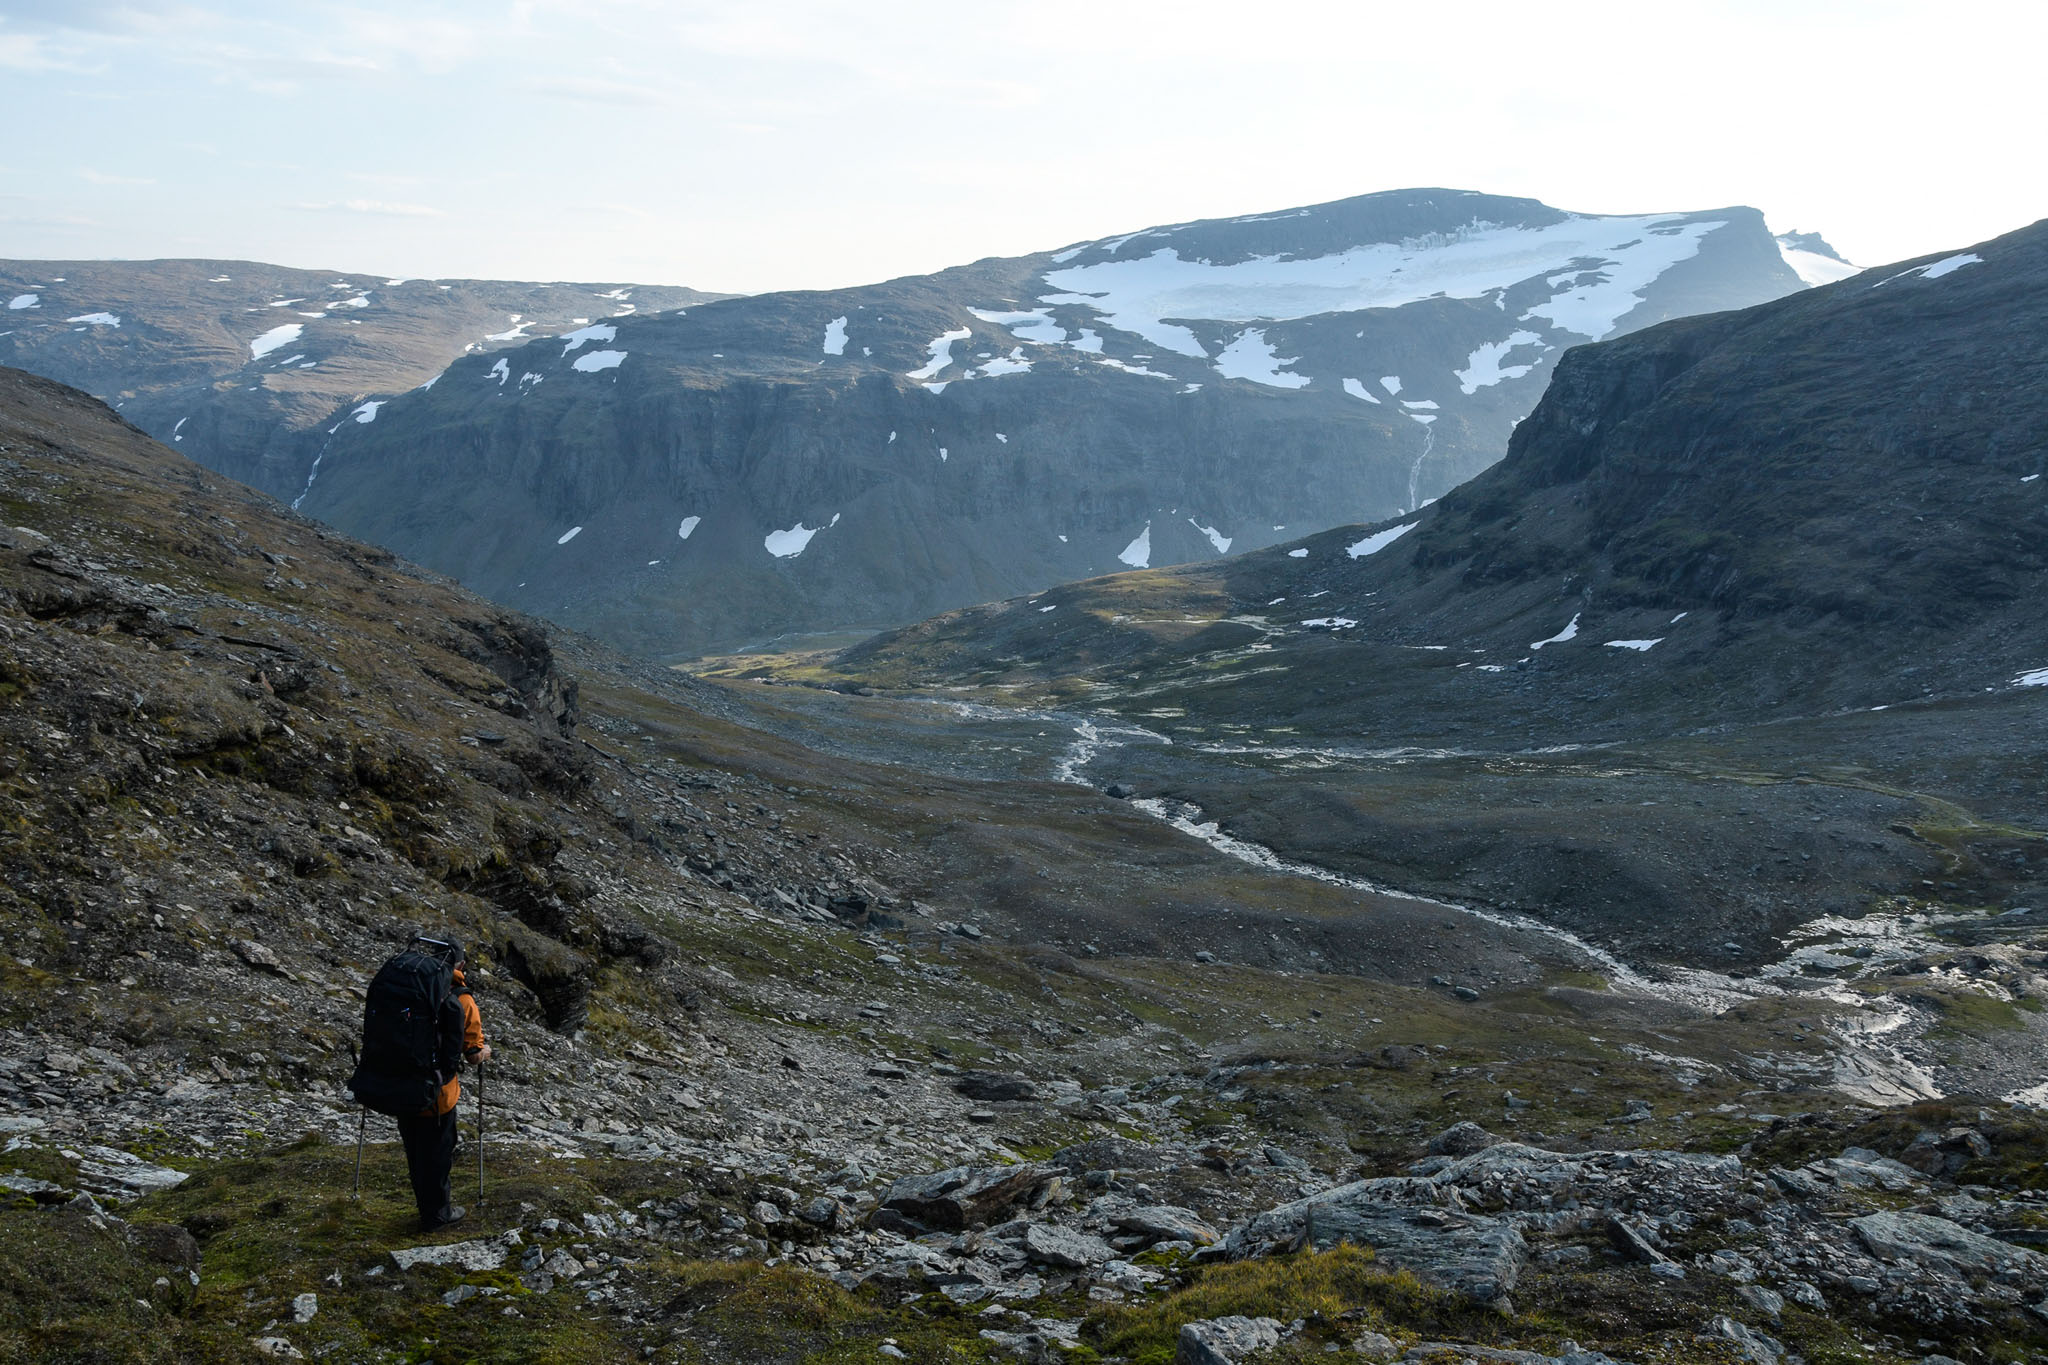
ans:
x=864 y=457
x=245 y=366
x=808 y=1056
x=1749 y=627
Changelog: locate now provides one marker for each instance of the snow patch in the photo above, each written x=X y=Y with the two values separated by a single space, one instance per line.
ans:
x=1639 y=646
x=835 y=337
x=1570 y=632
x=1814 y=269
x=1128 y=368
x=1379 y=540
x=941 y=350
x=367 y=413
x=517 y=332
x=789 y=544
x=1138 y=554
x=1391 y=383
x=600 y=332
x=178 y=428
x=1295 y=554
x=1483 y=367
x=1614 y=260
x=1035 y=325
x=1216 y=537
x=1013 y=363
x=274 y=338
x=502 y=371
x=2037 y=678
x=1331 y=622
x=569 y=535
x=1948 y=265
x=21 y=301
x=598 y=360
x=97 y=319
x=1358 y=390
x=1252 y=357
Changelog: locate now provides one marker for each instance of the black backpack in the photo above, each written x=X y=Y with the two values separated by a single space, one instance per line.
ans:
x=412 y=1036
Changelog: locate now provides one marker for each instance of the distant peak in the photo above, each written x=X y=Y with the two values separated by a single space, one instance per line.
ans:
x=1813 y=242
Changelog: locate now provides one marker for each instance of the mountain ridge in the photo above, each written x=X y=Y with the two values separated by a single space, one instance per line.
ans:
x=243 y=364
x=861 y=457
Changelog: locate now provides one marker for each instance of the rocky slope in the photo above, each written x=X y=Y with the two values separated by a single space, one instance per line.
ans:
x=863 y=457
x=804 y=1056
x=244 y=366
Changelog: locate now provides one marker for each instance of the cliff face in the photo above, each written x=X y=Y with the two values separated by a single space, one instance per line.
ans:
x=859 y=458
x=1866 y=455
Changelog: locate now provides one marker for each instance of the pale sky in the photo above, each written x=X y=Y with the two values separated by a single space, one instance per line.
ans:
x=764 y=144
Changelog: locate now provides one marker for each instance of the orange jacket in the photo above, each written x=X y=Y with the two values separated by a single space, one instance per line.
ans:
x=472 y=1039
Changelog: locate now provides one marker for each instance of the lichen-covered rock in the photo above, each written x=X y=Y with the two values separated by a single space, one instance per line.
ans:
x=1065 y=1247
x=1167 y=1223
x=1941 y=1245
x=471 y=1256
x=1224 y=1341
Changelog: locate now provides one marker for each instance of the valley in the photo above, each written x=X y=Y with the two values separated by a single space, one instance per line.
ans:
x=1094 y=974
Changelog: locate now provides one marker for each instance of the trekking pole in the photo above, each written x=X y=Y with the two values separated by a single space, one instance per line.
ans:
x=362 y=1121
x=479 y=1134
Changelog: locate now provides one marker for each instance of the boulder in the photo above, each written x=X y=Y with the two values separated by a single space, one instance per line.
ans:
x=470 y=1256
x=1065 y=1248
x=1167 y=1223
x=1224 y=1341
x=1941 y=1245
x=1755 y=1346
x=257 y=956
x=1461 y=1139
x=1406 y=1222
x=825 y=1212
x=112 y=1171
x=1633 y=1242
x=967 y=1196
x=988 y=1086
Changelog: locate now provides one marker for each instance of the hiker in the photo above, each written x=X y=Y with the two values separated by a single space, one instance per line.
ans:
x=420 y=1023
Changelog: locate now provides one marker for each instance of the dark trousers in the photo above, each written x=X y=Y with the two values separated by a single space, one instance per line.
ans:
x=429 y=1160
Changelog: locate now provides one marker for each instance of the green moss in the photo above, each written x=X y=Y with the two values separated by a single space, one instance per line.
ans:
x=1324 y=1287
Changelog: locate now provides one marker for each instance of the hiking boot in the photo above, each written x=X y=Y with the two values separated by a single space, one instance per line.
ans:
x=452 y=1214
